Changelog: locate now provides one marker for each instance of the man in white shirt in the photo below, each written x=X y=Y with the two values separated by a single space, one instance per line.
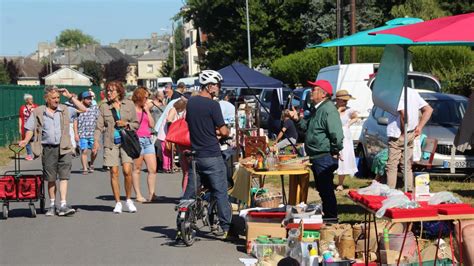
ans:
x=395 y=133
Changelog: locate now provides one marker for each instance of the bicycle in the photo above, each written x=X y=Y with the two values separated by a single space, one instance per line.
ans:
x=202 y=208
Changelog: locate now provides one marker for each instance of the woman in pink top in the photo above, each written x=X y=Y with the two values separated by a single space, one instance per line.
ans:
x=142 y=107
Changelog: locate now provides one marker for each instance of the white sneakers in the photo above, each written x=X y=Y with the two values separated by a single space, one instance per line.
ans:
x=128 y=204
x=118 y=207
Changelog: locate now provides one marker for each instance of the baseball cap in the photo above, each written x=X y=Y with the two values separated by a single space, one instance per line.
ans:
x=86 y=94
x=323 y=84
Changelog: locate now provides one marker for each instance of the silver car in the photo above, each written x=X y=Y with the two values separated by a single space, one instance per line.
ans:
x=448 y=111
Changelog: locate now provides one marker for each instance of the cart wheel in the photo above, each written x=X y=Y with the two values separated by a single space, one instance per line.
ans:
x=42 y=206
x=33 y=210
x=5 y=212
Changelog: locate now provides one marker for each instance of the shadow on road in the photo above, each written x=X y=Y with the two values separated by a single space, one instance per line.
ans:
x=14 y=213
x=163 y=200
x=94 y=208
x=109 y=197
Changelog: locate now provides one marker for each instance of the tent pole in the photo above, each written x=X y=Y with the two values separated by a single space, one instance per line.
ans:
x=405 y=120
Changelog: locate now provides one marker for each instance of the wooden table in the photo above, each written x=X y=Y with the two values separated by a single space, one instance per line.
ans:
x=440 y=217
x=299 y=184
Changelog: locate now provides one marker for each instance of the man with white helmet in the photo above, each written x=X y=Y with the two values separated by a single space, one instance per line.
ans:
x=206 y=124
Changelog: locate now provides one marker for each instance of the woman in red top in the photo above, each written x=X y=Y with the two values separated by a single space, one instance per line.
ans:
x=142 y=107
x=25 y=112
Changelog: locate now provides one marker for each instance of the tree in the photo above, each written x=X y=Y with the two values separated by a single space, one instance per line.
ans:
x=4 y=78
x=424 y=9
x=92 y=69
x=116 y=70
x=12 y=70
x=275 y=28
x=178 y=45
x=46 y=71
x=74 y=38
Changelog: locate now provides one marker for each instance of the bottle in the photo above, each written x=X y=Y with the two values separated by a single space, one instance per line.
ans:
x=313 y=256
x=386 y=239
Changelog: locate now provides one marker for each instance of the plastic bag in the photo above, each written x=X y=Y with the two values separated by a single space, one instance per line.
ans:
x=375 y=189
x=380 y=162
x=397 y=201
x=417 y=149
x=391 y=192
x=443 y=197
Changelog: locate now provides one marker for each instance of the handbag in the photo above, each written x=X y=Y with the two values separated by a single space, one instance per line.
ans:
x=130 y=142
x=178 y=133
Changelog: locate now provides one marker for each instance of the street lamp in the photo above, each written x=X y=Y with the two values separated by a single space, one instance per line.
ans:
x=248 y=32
x=172 y=43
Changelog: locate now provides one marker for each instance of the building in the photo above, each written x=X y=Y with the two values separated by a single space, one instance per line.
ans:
x=68 y=76
x=29 y=70
x=149 y=68
x=191 y=58
x=138 y=47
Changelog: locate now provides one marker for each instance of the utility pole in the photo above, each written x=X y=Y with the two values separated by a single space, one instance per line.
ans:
x=173 y=41
x=248 y=33
x=353 y=30
x=339 y=31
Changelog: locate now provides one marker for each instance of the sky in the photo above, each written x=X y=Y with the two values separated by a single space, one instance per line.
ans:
x=24 y=23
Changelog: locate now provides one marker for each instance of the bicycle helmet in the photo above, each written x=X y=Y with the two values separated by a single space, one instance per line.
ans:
x=210 y=76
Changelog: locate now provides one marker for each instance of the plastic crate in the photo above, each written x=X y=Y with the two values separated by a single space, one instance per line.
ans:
x=260 y=250
x=396 y=213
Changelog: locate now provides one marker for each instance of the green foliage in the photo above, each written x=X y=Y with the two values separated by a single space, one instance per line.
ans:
x=457 y=7
x=116 y=70
x=92 y=69
x=302 y=66
x=12 y=70
x=4 y=78
x=424 y=9
x=178 y=46
x=453 y=66
x=74 y=38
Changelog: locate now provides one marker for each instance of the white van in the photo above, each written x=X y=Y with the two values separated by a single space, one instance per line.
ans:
x=353 y=78
x=190 y=82
x=161 y=82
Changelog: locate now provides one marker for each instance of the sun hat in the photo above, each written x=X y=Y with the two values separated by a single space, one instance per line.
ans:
x=323 y=84
x=344 y=95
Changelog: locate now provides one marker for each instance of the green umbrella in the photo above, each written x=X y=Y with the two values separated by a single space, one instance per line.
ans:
x=363 y=38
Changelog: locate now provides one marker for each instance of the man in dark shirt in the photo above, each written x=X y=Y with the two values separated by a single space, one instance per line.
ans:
x=206 y=124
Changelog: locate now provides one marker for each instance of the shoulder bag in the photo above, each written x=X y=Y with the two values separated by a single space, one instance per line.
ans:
x=178 y=133
x=130 y=142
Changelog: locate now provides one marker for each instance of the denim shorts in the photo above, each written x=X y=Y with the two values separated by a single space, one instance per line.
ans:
x=86 y=143
x=147 y=146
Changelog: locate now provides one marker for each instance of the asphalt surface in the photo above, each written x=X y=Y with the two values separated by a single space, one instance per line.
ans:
x=95 y=235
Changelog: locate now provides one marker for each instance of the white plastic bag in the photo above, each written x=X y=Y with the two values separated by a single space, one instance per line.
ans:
x=396 y=201
x=443 y=197
x=375 y=189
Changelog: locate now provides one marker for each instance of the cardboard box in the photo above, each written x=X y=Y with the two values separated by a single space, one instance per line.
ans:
x=254 y=229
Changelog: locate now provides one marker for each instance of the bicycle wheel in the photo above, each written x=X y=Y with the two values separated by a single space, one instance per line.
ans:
x=214 y=216
x=188 y=233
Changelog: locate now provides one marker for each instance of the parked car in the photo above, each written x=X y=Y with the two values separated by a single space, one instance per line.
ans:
x=448 y=111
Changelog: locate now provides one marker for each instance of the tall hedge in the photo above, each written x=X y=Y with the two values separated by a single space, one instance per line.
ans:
x=452 y=65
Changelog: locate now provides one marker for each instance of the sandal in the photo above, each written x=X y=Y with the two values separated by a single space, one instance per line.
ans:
x=91 y=168
x=141 y=200
x=153 y=198
x=85 y=172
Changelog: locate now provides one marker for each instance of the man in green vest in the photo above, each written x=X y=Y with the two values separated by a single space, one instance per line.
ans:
x=323 y=142
x=49 y=127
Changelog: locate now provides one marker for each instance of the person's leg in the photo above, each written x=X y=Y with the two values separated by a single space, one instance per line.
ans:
x=127 y=174
x=394 y=156
x=215 y=172
x=29 y=151
x=93 y=155
x=49 y=160
x=411 y=138
x=84 y=160
x=137 y=169
x=323 y=170
x=150 y=160
x=114 y=182
x=340 y=184
x=64 y=172
x=184 y=163
x=166 y=157
x=159 y=156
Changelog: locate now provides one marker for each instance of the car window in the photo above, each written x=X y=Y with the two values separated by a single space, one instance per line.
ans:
x=423 y=83
x=447 y=112
x=267 y=96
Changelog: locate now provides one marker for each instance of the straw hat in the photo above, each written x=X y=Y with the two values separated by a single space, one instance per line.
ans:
x=344 y=95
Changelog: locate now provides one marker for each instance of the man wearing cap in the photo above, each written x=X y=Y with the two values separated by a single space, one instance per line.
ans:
x=323 y=142
x=84 y=130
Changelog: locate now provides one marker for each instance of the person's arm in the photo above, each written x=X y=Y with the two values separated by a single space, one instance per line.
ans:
x=281 y=134
x=171 y=115
x=426 y=112
x=78 y=104
x=76 y=130
x=20 y=125
x=29 y=127
x=354 y=118
x=401 y=113
x=218 y=119
x=99 y=128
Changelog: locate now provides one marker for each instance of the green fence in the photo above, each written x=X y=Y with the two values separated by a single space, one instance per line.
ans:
x=11 y=98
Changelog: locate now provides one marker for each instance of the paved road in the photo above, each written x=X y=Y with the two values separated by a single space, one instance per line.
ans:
x=94 y=235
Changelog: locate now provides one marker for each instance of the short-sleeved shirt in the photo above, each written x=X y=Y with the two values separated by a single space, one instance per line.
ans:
x=290 y=129
x=86 y=122
x=51 y=125
x=415 y=103
x=204 y=116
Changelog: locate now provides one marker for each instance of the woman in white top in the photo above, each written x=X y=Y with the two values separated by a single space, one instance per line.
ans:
x=347 y=166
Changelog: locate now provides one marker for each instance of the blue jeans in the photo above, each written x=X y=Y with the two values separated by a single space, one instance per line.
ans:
x=29 y=151
x=213 y=172
x=323 y=171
